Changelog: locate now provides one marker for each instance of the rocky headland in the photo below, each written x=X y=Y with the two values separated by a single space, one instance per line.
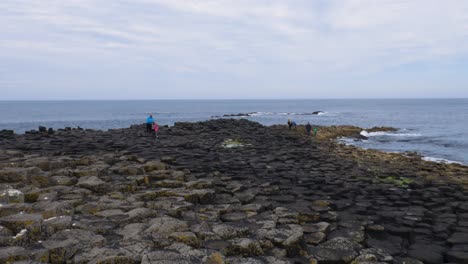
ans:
x=224 y=191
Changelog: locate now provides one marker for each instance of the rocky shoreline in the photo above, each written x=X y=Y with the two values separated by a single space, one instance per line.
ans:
x=223 y=191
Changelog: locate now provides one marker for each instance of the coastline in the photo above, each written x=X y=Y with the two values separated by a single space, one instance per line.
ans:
x=276 y=196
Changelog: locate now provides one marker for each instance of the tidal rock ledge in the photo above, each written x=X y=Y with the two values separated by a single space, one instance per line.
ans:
x=121 y=196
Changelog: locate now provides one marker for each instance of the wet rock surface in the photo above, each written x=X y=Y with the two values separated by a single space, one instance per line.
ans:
x=122 y=196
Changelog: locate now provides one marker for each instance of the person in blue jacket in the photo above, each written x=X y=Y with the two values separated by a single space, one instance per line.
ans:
x=149 y=124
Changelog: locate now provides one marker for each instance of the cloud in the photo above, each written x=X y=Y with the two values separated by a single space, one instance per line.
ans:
x=238 y=38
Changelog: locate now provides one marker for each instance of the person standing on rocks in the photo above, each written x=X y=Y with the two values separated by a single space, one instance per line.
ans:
x=308 y=128
x=149 y=123
x=156 y=129
x=291 y=124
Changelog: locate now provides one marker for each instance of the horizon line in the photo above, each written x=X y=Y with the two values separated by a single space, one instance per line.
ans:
x=236 y=99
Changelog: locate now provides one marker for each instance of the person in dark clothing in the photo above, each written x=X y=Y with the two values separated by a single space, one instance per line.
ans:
x=308 y=128
x=289 y=124
x=149 y=124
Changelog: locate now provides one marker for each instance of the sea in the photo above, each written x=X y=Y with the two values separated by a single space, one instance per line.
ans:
x=435 y=128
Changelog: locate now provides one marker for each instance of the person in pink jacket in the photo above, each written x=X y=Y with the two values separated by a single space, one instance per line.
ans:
x=156 y=129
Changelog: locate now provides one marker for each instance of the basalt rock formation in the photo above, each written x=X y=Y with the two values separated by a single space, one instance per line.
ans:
x=239 y=114
x=123 y=196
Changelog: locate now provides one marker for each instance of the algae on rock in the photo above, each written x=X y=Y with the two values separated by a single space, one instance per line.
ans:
x=234 y=143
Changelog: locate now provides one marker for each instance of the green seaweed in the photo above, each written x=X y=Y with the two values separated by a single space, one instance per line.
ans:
x=233 y=143
x=397 y=181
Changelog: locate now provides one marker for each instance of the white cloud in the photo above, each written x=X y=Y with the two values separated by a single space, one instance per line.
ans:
x=237 y=37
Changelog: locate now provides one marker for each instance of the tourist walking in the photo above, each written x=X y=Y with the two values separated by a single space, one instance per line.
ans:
x=291 y=124
x=149 y=124
x=308 y=128
x=155 y=129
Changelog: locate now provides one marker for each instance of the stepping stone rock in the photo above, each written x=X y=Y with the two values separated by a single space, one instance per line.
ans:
x=244 y=247
x=318 y=227
x=314 y=238
x=164 y=226
x=458 y=238
x=92 y=183
x=65 y=244
x=187 y=238
x=215 y=258
x=13 y=175
x=11 y=196
x=288 y=236
x=336 y=250
x=430 y=254
x=154 y=166
x=55 y=224
x=131 y=231
x=62 y=180
x=20 y=221
x=167 y=257
x=237 y=260
x=226 y=231
x=379 y=253
x=457 y=257
x=105 y=255
x=199 y=196
x=234 y=217
x=11 y=254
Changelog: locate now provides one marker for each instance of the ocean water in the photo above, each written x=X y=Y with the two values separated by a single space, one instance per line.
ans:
x=436 y=128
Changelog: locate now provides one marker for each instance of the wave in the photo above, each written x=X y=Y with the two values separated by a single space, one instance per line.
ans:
x=389 y=134
x=318 y=113
x=441 y=160
x=261 y=113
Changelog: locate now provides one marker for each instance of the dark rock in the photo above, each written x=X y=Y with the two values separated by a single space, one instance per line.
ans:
x=430 y=254
x=457 y=257
x=164 y=226
x=65 y=244
x=167 y=257
x=234 y=216
x=336 y=250
x=115 y=196
x=239 y=114
x=458 y=238
x=12 y=254
x=18 y=222
x=314 y=238
x=7 y=134
x=244 y=247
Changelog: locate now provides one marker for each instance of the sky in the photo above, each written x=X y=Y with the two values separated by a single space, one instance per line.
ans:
x=237 y=49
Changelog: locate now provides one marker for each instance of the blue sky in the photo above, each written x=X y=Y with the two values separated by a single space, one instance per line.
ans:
x=239 y=49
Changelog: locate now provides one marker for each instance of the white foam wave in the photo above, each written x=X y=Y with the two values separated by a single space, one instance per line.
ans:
x=391 y=134
x=441 y=160
x=261 y=113
x=309 y=113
